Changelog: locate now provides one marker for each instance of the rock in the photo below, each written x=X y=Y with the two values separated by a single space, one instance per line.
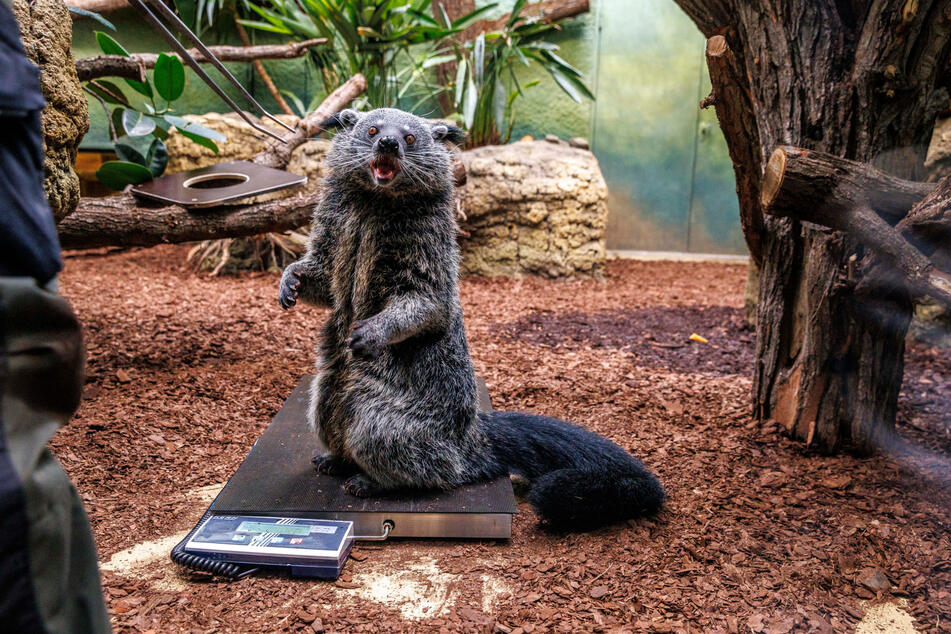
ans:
x=46 y=30
x=598 y=592
x=874 y=580
x=938 y=159
x=579 y=142
x=533 y=208
x=240 y=143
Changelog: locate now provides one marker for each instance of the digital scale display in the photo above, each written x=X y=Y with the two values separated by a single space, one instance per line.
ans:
x=279 y=529
x=309 y=546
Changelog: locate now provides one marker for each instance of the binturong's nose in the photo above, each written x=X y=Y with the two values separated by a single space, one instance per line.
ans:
x=389 y=145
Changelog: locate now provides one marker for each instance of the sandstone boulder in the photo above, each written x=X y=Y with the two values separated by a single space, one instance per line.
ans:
x=533 y=208
x=938 y=160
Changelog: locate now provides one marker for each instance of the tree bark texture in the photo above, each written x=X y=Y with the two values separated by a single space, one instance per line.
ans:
x=857 y=79
x=127 y=221
x=867 y=203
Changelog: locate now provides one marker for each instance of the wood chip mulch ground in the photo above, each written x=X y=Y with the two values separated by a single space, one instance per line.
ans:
x=759 y=534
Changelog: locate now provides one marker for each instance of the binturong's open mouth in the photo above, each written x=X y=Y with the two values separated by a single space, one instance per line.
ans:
x=385 y=168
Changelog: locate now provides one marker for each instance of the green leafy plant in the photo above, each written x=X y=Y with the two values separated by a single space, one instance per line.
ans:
x=486 y=86
x=373 y=37
x=139 y=131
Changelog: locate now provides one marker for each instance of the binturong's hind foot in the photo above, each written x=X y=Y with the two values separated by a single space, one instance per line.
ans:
x=329 y=464
x=362 y=487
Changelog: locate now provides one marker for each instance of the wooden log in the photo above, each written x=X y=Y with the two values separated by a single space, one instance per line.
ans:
x=123 y=220
x=133 y=66
x=737 y=120
x=812 y=186
x=839 y=194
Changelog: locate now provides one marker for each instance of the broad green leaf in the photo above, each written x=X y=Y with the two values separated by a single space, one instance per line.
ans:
x=117 y=121
x=117 y=174
x=469 y=108
x=460 y=81
x=264 y=26
x=157 y=158
x=137 y=124
x=296 y=101
x=437 y=60
x=109 y=46
x=141 y=87
x=186 y=10
x=95 y=16
x=128 y=152
x=169 y=77
x=478 y=52
x=162 y=127
x=200 y=140
x=565 y=84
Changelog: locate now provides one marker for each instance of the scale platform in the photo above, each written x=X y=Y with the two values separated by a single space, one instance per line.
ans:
x=278 y=479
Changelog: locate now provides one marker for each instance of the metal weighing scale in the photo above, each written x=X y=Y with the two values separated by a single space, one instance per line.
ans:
x=277 y=485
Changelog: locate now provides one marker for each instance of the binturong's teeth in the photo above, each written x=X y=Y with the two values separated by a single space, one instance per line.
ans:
x=384 y=169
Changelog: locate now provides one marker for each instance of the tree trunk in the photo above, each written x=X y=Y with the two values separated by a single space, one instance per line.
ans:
x=858 y=80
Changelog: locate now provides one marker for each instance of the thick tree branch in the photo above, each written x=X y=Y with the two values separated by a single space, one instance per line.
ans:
x=127 y=221
x=133 y=66
x=801 y=182
x=737 y=120
x=859 y=200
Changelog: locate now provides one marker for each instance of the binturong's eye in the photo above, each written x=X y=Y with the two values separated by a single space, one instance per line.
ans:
x=372 y=130
x=410 y=139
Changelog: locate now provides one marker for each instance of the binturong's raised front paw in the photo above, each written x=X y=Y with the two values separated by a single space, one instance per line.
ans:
x=329 y=464
x=362 y=486
x=290 y=285
x=366 y=340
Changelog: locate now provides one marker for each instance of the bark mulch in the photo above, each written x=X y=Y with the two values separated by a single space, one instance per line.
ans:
x=759 y=534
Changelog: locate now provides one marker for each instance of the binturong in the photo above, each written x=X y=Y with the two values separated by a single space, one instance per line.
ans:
x=394 y=397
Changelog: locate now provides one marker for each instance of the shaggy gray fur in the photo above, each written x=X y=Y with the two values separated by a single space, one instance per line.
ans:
x=395 y=395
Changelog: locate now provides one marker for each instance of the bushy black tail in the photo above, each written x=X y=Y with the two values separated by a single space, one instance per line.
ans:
x=579 y=480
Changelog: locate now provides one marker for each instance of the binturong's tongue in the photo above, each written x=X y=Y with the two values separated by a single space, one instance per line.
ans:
x=384 y=169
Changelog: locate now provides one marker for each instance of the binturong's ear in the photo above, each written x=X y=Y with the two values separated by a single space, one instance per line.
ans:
x=449 y=133
x=343 y=120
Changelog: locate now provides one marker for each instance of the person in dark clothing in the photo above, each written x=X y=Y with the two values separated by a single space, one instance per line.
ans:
x=49 y=580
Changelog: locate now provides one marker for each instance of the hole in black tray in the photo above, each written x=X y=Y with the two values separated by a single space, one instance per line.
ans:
x=215 y=181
